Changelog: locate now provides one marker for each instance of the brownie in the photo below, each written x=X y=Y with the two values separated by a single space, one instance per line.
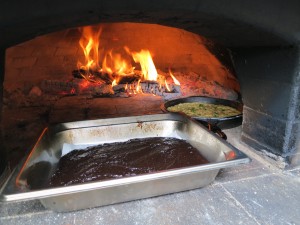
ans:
x=124 y=159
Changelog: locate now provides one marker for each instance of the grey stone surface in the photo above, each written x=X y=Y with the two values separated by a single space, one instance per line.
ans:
x=257 y=118
x=16 y=209
x=264 y=96
x=295 y=159
x=291 y=142
x=209 y=205
x=265 y=135
x=279 y=136
x=264 y=64
x=269 y=79
x=295 y=172
x=253 y=169
x=272 y=199
x=258 y=145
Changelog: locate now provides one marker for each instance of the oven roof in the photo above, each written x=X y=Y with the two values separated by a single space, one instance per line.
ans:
x=234 y=24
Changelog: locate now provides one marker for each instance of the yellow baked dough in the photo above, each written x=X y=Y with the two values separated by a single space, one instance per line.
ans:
x=196 y=109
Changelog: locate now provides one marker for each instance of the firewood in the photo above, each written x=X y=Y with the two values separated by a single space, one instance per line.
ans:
x=93 y=76
x=119 y=88
x=78 y=73
x=59 y=87
x=104 y=90
x=128 y=79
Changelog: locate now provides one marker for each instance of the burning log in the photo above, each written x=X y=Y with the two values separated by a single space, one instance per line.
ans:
x=78 y=73
x=107 y=90
x=127 y=79
x=119 y=88
x=117 y=70
x=154 y=87
x=92 y=76
x=59 y=87
x=122 y=95
x=103 y=90
x=150 y=87
x=98 y=76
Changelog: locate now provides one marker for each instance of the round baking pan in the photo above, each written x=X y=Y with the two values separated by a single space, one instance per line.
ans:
x=223 y=122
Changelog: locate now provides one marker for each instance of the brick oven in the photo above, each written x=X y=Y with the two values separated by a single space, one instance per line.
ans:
x=237 y=51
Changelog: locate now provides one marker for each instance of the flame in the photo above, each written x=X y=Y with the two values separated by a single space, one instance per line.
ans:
x=89 y=42
x=167 y=86
x=112 y=64
x=115 y=64
x=147 y=65
x=105 y=67
x=173 y=77
x=138 y=87
x=114 y=83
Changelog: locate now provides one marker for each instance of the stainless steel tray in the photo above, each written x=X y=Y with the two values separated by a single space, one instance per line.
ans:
x=27 y=181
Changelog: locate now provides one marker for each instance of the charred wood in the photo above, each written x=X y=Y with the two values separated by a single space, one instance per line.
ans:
x=93 y=76
x=127 y=79
x=59 y=87
x=103 y=90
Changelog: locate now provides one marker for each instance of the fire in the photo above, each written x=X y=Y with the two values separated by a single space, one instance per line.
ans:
x=138 y=87
x=89 y=42
x=173 y=77
x=114 y=83
x=112 y=64
x=115 y=65
x=167 y=86
x=147 y=65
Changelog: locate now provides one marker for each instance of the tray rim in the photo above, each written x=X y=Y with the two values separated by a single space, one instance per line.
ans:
x=80 y=188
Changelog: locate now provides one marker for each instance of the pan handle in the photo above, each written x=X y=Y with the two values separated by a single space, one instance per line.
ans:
x=214 y=128
x=217 y=130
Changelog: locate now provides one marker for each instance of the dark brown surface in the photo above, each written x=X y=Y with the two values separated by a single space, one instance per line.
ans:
x=124 y=159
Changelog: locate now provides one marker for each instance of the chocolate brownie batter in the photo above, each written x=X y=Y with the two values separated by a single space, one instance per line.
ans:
x=124 y=159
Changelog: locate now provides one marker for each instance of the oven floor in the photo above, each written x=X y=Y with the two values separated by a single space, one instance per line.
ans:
x=256 y=193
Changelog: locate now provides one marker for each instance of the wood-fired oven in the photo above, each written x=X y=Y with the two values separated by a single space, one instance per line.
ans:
x=235 y=50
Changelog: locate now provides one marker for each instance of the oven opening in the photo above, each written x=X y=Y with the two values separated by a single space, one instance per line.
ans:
x=107 y=70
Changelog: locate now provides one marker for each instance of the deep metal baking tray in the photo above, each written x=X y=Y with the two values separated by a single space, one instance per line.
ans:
x=27 y=181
